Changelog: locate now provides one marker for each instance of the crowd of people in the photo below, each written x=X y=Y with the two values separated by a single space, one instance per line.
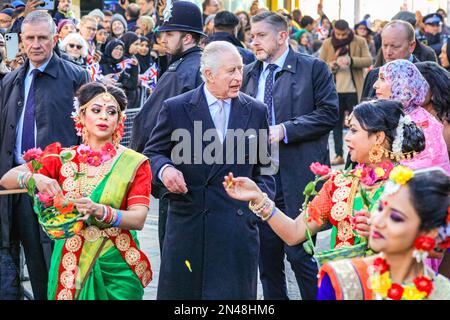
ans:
x=208 y=84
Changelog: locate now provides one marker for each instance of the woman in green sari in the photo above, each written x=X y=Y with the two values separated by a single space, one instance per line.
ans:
x=110 y=185
x=379 y=134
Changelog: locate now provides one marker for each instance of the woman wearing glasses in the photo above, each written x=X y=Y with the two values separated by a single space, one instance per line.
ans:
x=76 y=48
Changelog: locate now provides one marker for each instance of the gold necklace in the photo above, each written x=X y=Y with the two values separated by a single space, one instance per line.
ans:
x=85 y=186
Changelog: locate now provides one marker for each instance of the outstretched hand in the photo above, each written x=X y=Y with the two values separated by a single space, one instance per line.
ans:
x=242 y=188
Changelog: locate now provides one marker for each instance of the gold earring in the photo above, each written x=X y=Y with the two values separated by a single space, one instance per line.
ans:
x=85 y=136
x=376 y=153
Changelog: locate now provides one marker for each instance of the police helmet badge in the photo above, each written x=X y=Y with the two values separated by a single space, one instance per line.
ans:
x=167 y=13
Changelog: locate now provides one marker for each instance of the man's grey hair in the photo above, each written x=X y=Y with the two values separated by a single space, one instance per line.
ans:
x=212 y=56
x=276 y=20
x=407 y=27
x=39 y=16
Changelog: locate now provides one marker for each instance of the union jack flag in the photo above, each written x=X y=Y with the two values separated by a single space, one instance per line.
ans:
x=125 y=64
x=150 y=77
x=95 y=71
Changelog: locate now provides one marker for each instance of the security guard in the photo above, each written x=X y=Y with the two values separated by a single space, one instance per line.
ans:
x=181 y=32
x=433 y=35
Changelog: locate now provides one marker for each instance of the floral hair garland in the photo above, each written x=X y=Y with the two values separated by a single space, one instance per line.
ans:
x=398 y=141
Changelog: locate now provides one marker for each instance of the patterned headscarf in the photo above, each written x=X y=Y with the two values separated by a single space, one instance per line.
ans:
x=407 y=83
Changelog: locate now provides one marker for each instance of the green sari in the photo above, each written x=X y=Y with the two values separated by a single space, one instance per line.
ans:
x=102 y=271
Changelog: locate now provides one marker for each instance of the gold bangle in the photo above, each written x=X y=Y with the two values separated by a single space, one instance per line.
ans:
x=257 y=207
x=266 y=216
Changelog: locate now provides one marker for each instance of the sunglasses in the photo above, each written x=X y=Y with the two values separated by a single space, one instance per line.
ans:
x=72 y=45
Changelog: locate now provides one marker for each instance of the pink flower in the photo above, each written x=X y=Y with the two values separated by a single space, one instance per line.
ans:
x=45 y=198
x=108 y=152
x=319 y=169
x=83 y=153
x=109 y=149
x=368 y=176
x=32 y=154
x=95 y=159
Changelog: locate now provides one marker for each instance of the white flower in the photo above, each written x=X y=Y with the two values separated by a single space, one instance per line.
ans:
x=76 y=105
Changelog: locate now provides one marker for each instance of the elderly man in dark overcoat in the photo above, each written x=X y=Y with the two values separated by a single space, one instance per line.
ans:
x=211 y=246
x=36 y=102
x=303 y=107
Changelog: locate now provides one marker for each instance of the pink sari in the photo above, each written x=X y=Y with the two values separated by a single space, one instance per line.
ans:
x=435 y=153
x=410 y=88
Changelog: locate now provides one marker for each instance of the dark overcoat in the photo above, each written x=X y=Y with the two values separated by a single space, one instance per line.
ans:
x=216 y=234
x=54 y=92
x=306 y=102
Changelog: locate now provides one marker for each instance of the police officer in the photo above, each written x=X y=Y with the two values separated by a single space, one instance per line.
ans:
x=433 y=35
x=181 y=33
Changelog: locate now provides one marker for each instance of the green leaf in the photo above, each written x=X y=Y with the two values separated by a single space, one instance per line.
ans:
x=365 y=198
x=309 y=249
x=77 y=175
x=309 y=189
x=31 y=186
x=65 y=156
x=36 y=165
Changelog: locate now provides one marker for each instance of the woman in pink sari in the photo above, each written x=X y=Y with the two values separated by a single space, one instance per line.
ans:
x=401 y=80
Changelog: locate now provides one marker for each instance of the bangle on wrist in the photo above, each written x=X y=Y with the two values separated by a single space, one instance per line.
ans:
x=256 y=208
x=119 y=218
x=19 y=179
x=272 y=213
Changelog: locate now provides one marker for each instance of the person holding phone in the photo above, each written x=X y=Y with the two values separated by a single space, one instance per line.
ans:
x=3 y=66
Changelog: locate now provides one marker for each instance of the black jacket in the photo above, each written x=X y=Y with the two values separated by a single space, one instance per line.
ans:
x=182 y=75
x=54 y=92
x=247 y=56
x=306 y=102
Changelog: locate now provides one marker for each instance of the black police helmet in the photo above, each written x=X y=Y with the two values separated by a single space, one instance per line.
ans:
x=183 y=16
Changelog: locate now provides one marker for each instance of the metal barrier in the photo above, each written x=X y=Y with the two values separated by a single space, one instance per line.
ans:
x=131 y=114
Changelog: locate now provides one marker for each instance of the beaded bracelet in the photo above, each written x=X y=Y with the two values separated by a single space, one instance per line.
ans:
x=266 y=207
x=258 y=207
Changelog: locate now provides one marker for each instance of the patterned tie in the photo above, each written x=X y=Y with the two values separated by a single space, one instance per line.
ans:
x=219 y=120
x=268 y=91
x=29 y=118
